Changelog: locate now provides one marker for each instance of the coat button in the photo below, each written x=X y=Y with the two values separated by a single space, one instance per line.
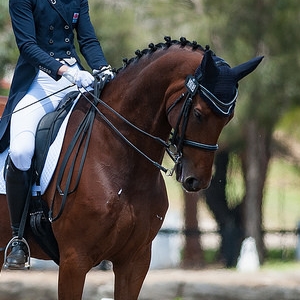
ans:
x=67 y=40
x=51 y=53
x=50 y=41
x=51 y=27
x=67 y=27
x=68 y=52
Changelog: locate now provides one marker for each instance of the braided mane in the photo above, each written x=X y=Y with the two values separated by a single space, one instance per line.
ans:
x=183 y=42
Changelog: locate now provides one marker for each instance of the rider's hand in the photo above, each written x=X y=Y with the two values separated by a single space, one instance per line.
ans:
x=79 y=77
x=105 y=71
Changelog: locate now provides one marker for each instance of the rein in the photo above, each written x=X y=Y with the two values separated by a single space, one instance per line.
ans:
x=112 y=126
x=83 y=133
x=175 y=145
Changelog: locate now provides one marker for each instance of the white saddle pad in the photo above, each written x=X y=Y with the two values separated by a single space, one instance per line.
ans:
x=51 y=160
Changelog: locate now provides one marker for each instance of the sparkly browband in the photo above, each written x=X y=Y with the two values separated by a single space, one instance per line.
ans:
x=220 y=107
x=217 y=105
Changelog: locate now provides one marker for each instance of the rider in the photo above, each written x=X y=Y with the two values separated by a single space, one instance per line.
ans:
x=48 y=65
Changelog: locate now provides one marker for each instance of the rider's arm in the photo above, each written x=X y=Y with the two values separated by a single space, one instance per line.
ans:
x=23 y=24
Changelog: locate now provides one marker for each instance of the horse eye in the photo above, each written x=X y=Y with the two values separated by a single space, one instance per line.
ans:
x=198 y=114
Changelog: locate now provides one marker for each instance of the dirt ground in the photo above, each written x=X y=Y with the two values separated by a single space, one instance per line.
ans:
x=174 y=284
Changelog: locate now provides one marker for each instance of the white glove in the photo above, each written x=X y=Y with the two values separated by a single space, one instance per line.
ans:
x=106 y=70
x=79 y=77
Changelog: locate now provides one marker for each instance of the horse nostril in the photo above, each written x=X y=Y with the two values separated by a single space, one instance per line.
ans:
x=191 y=184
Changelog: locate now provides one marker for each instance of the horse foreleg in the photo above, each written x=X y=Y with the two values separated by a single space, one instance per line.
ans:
x=72 y=273
x=130 y=274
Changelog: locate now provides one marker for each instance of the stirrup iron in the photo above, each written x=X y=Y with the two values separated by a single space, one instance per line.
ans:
x=17 y=239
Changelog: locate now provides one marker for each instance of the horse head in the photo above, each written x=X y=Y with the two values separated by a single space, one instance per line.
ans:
x=207 y=106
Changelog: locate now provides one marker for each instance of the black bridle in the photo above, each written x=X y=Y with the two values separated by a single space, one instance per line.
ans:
x=192 y=86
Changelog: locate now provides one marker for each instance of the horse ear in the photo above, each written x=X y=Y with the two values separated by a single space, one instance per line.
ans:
x=208 y=67
x=246 y=68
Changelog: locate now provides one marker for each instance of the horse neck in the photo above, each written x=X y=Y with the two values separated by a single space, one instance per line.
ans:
x=141 y=93
x=149 y=84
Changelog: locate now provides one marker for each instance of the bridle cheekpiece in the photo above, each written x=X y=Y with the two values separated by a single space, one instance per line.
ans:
x=177 y=142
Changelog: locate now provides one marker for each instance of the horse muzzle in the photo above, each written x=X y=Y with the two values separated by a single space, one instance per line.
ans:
x=189 y=182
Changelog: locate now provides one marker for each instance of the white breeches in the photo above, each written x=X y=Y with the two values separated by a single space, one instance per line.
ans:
x=29 y=112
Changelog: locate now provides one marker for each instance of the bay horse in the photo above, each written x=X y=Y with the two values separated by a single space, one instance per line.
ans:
x=120 y=202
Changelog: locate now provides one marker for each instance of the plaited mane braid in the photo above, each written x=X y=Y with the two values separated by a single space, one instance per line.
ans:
x=183 y=42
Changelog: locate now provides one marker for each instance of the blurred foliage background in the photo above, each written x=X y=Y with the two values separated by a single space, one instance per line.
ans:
x=266 y=123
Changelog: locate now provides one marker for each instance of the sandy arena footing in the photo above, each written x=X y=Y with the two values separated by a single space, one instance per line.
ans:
x=174 y=284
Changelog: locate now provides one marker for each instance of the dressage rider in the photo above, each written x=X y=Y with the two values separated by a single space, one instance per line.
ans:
x=48 y=68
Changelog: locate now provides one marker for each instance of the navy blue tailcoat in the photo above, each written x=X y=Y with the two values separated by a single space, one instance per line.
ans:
x=44 y=32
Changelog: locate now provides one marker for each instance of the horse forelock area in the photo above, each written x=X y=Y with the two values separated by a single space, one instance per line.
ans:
x=182 y=42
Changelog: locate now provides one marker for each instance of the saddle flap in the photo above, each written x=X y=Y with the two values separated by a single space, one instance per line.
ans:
x=47 y=130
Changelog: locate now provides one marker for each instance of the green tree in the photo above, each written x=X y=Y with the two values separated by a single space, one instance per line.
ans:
x=8 y=50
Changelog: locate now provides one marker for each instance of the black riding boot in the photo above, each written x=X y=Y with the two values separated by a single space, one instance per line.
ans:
x=17 y=187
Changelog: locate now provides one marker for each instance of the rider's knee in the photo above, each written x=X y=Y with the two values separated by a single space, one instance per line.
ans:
x=21 y=154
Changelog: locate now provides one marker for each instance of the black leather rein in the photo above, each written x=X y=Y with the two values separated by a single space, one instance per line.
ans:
x=175 y=145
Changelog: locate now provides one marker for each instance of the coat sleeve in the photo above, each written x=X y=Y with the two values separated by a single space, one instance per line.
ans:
x=21 y=13
x=89 y=44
